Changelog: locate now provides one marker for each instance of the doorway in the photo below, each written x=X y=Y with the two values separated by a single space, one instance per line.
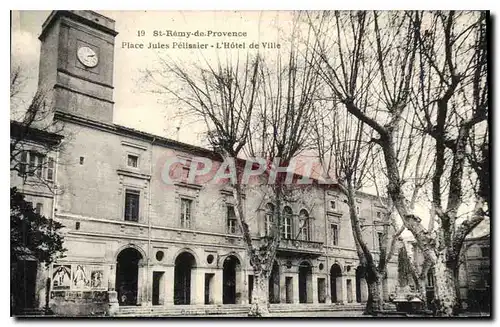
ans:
x=184 y=264
x=336 y=283
x=250 y=288
x=321 y=290
x=231 y=267
x=289 y=289
x=305 y=279
x=158 y=287
x=127 y=274
x=274 y=284
x=349 y=290
x=209 y=278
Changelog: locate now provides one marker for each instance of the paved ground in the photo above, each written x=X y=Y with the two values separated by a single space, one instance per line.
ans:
x=346 y=314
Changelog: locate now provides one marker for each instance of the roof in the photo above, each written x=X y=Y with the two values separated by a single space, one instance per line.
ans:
x=20 y=131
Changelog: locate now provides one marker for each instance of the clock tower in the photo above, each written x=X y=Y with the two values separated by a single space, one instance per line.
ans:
x=76 y=62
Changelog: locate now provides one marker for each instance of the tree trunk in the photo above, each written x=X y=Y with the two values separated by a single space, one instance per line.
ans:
x=422 y=289
x=385 y=287
x=374 y=304
x=260 y=296
x=456 y=271
x=445 y=292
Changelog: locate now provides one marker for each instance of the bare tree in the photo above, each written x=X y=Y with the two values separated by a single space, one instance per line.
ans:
x=257 y=109
x=356 y=52
x=399 y=45
x=343 y=137
x=453 y=98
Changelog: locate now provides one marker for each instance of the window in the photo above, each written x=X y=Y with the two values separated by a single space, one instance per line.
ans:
x=286 y=228
x=357 y=210
x=231 y=220
x=24 y=163
x=485 y=252
x=269 y=219
x=132 y=205
x=50 y=169
x=39 y=208
x=186 y=213
x=380 y=240
x=132 y=161
x=333 y=205
x=335 y=234
x=34 y=164
x=185 y=173
x=430 y=278
x=304 y=226
x=379 y=215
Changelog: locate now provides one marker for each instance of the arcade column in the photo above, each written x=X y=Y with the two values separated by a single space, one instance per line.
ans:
x=169 y=286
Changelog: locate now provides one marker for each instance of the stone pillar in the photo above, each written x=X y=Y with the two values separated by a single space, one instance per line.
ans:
x=113 y=303
x=244 y=286
x=197 y=286
x=148 y=286
x=141 y=281
x=339 y=288
x=343 y=286
x=112 y=277
x=314 y=289
x=282 y=289
x=218 y=287
x=169 y=286
x=364 y=290
x=328 y=296
x=295 y=287
x=42 y=274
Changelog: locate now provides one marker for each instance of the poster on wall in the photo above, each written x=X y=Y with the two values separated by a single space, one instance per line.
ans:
x=61 y=277
x=80 y=278
x=97 y=278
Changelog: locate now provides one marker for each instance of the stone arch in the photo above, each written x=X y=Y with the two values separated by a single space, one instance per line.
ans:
x=130 y=245
x=221 y=258
x=197 y=261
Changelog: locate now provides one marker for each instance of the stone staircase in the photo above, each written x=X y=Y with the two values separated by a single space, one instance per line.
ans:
x=230 y=310
x=309 y=307
x=182 y=310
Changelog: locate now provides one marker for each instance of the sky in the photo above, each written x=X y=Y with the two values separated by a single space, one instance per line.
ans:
x=134 y=107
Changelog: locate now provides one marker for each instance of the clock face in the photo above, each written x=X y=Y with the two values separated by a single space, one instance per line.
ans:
x=87 y=56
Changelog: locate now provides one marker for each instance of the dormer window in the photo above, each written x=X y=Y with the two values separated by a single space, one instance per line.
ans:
x=132 y=161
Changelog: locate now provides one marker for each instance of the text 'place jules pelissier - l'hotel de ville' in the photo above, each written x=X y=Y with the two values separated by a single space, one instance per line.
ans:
x=135 y=242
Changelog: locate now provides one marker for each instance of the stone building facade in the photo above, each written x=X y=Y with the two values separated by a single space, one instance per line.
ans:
x=475 y=273
x=134 y=239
